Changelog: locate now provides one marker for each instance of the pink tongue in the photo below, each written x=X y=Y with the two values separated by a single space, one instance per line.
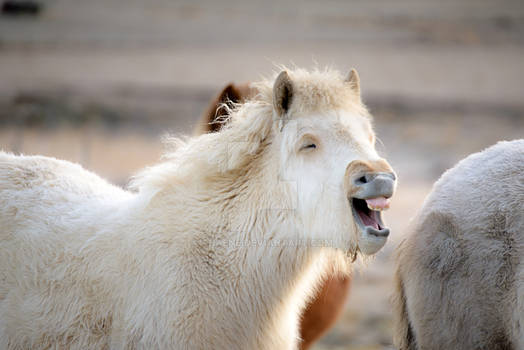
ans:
x=369 y=220
x=380 y=202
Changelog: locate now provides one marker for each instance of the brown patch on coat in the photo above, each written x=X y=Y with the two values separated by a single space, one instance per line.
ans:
x=324 y=310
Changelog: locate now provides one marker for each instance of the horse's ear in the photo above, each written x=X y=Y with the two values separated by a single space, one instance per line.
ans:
x=282 y=93
x=354 y=81
x=213 y=119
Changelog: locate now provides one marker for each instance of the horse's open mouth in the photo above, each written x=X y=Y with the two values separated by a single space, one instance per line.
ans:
x=368 y=213
x=368 y=217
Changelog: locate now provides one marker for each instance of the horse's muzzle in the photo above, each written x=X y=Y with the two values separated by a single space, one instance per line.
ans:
x=374 y=184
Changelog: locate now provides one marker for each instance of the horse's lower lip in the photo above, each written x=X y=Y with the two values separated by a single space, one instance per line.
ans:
x=384 y=232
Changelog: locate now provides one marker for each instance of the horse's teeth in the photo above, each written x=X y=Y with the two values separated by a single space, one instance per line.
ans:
x=378 y=204
x=370 y=207
x=374 y=208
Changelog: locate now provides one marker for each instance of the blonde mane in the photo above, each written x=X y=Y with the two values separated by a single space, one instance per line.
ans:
x=248 y=129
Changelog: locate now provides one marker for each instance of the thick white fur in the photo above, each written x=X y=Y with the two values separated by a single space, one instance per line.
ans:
x=218 y=248
x=460 y=272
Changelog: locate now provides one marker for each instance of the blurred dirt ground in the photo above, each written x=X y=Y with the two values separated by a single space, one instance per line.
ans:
x=100 y=82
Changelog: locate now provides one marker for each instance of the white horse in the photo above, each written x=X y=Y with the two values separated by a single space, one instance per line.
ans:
x=460 y=272
x=220 y=245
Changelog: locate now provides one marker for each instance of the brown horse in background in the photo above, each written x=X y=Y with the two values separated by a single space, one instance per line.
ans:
x=327 y=306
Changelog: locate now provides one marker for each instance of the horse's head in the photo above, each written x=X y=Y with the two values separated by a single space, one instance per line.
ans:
x=327 y=148
x=324 y=144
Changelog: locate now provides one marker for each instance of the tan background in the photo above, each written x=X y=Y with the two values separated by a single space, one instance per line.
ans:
x=98 y=82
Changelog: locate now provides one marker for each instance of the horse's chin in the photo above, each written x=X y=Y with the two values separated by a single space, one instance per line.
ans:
x=369 y=243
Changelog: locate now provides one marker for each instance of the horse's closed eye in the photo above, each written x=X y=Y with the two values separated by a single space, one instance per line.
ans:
x=309 y=146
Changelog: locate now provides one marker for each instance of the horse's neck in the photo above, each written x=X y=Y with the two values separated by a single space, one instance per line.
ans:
x=280 y=278
x=278 y=269
x=268 y=270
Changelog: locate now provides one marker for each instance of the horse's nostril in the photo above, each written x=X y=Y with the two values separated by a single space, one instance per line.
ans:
x=361 y=180
x=374 y=184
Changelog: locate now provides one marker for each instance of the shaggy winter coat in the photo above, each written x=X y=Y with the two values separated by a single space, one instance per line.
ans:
x=460 y=272
x=217 y=247
x=327 y=304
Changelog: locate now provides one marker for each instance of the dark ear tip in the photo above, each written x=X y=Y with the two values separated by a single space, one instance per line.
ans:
x=282 y=93
x=228 y=87
x=283 y=76
x=352 y=75
x=230 y=93
x=354 y=80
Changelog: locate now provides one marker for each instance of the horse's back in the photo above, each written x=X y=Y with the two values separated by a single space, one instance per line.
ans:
x=32 y=175
x=46 y=204
x=49 y=209
x=459 y=268
x=35 y=189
